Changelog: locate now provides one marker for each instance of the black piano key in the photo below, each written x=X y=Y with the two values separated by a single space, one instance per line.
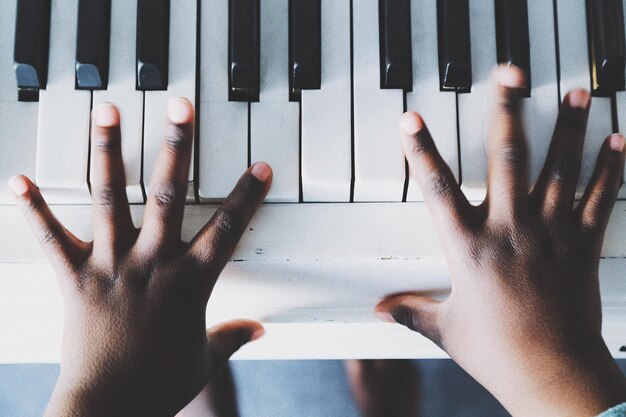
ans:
x=396 y=62
x=455 y=54
x=305 y=50
x=606 y=42
x=244 y=42
x=92 y=44
x=32 y=41
x=512 y=38
x=153 y=38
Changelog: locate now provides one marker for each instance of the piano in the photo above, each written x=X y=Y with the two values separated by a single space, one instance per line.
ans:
x=315 y=88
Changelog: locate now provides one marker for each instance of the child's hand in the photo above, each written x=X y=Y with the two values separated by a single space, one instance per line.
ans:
x=135 y=342
x=524 y=315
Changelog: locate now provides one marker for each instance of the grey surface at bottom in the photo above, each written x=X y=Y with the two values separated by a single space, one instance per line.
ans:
x=283 y=389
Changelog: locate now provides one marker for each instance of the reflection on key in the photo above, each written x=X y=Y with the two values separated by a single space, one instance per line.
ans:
x=512 y=36
x=455 y=59
x=304 y=46
x=395 y=44
x=606 y=34
x=153 y=36
x=92 y=44
x=32 y=38
x=243 y=49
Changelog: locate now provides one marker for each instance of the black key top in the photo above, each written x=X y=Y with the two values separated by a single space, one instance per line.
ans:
x=512 y=37
x=92 y=44
x=244 y=43
x=305 y=50
x=32 y=40
x=153 y=39
x=396 y=62
x=606 y=42
x=455 y=54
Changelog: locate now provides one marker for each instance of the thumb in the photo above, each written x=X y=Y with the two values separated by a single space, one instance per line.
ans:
x=226 y=338
x=418 y=313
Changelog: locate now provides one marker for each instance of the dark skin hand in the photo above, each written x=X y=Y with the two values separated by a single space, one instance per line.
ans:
x=135 y=341
x=524 y=314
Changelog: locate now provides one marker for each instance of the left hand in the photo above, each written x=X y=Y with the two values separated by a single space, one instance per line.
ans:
x=135 y=341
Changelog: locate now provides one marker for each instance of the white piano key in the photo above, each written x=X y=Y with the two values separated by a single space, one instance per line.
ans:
x=326 y=114
x=63 y=130
x=621 y=121
x=122 y=93
x=436 y=107
x=182 y=82
x=18 y=135
x=274 y=121
x=379 y=168
x=574 y=57
x=474 y=106
x=223 y=141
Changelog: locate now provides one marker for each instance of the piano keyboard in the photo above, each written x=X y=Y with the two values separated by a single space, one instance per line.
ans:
x=315 y=88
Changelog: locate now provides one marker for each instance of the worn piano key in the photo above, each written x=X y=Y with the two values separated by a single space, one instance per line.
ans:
x=379 y=168
x=64 y=113
x=326 y=114
x=223 y=139
x=244 y=44
x=574 y=64
x=121 y=91
x=395 y=44
x=436 y=107
x=304 y=46
x=32 y=38
x=455 y=56
x=274 y=120
x=512 y=36
x=606 y=45
x=92 y=44
x=153 y=37
x=18 y=134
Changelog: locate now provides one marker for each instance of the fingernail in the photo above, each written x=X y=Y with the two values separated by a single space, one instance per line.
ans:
x=578 y=99
x=18 y=185
x=105 y=115
x=179 y=110
x=261 y=171
x=384 y=316
x=617 y=143
x=257 y=334
x=510 y=76
x=411 y=123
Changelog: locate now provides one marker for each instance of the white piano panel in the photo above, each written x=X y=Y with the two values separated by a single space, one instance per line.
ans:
x=121 y=92
x=436 y=107
x=621 y=120
x=64 y=113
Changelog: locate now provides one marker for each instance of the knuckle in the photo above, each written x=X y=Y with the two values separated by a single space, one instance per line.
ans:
x=563 y=169
x=177 y=138
x=440 y=184
x=229 y=224
x=165 y=195
x=106 y=142
x=421 y=145
x=512 y=152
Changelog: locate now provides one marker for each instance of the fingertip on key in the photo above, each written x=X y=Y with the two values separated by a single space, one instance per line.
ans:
x=411 y=123
x=617 y=142
x=261 y=171
x=179 y=110
x=19 y=185
x=510 y=76
x=106 y=115
x=579 y=98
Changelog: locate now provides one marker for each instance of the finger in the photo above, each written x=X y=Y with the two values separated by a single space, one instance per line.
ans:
x=112 y=221
x=597 y=203
x=227 y=338
x=507 y=181
x=61 y=247
x=442 y=193
x=418 y=313
x=168 y=186
x=556 y=185
x=216 y=242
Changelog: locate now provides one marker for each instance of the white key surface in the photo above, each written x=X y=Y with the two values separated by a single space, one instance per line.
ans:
x=223 y=141
x=436 y=107
x=274 y=120
x=18 y=121
x=379 y=167
x=621 y=121
x=64 y=113
x=326 y=114
x=182 y=82
x=122 y=92
x=574 y=56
